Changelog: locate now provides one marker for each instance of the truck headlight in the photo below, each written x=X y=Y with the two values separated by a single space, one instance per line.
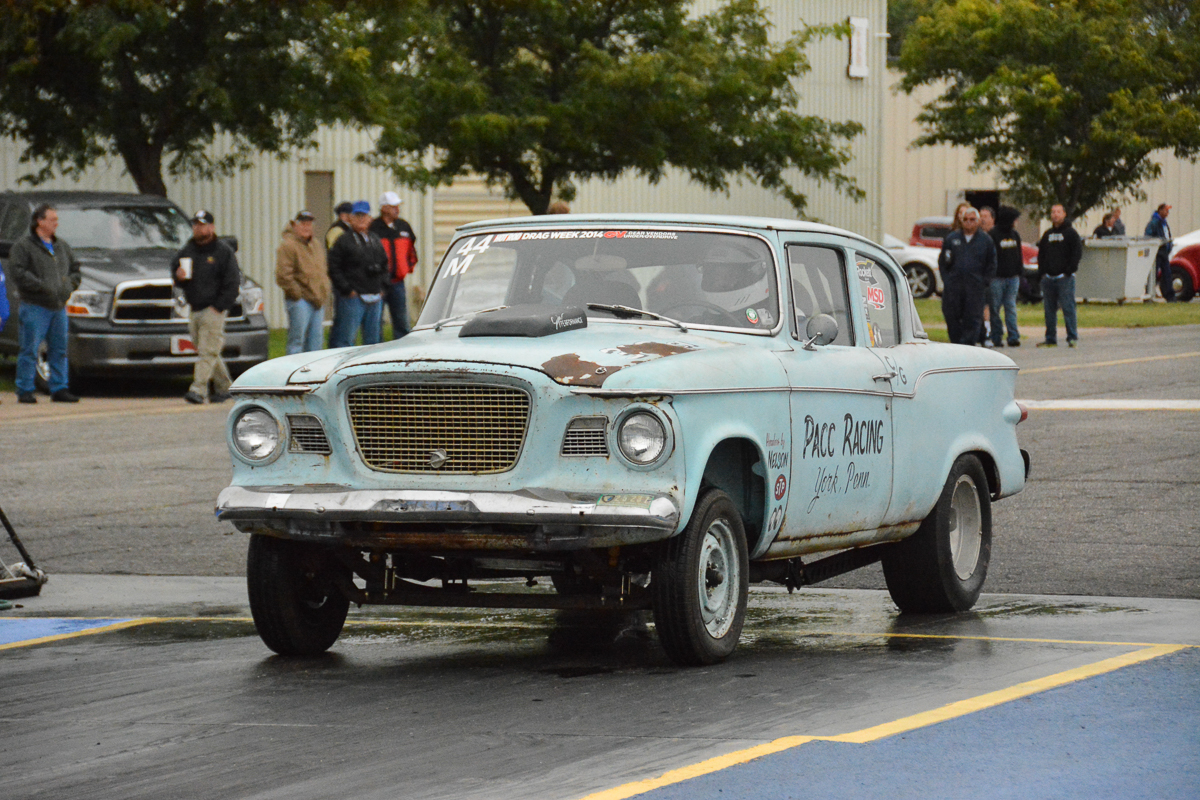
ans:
x=642 y=437
x=256 y=434
x=252 y=300
x=87 y=303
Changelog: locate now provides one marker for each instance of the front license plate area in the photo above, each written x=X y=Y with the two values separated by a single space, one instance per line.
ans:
x=182 y=346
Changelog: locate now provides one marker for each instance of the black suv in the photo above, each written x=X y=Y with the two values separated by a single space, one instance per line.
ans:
x=127 y=316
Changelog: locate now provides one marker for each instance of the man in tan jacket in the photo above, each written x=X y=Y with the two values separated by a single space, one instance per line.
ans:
x=300 y=272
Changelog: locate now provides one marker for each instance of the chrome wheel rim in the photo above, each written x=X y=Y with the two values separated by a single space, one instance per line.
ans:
x=966 y=527
x=919 y=281
x=719 y=579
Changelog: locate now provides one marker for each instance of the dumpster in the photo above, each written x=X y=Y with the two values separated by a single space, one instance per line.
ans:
x=1117 y=269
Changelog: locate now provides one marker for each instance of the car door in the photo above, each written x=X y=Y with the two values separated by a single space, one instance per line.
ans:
x=841 y=411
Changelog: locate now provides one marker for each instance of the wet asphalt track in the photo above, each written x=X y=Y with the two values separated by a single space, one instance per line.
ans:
x=838 y=695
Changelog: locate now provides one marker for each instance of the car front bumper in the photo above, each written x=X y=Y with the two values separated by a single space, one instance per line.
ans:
x=538 y=520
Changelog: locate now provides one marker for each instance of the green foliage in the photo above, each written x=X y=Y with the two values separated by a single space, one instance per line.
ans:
x=901 y=16
x=1066 y=100
x=148 y=80
x=538 y=94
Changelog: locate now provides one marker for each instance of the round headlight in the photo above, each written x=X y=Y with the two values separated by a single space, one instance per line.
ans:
x=256 y=434
x=642 y=437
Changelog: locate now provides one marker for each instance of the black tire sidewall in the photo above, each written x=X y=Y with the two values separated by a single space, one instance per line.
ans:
x=675 y=586
x=277 y=602
x=962 y=594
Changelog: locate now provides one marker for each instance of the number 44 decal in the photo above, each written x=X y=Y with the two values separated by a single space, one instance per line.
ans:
x=466 y=254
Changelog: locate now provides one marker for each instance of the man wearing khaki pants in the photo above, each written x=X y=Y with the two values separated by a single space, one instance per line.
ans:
x=207 y=271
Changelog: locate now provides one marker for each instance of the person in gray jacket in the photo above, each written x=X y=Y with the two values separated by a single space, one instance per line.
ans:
x=44 y=271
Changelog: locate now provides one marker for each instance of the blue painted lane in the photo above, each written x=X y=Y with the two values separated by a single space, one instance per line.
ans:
x=25 y=629
x=1132 y=734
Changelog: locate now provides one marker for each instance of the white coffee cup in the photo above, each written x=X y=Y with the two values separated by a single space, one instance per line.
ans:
x=185 y=264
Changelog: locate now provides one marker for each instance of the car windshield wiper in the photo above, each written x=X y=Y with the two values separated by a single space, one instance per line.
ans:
x=448 y=320
x=629 y=311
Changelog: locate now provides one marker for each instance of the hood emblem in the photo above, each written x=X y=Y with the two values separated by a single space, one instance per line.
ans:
x=437 y=458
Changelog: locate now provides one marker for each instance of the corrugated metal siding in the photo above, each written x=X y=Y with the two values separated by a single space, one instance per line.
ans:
x=917 y=180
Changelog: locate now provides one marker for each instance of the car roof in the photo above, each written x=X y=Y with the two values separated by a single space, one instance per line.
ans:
x=81 y=199
x=943 y=220
x=690 y=220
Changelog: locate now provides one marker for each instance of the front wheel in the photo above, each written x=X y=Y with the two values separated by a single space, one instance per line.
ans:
x=920 y=280
x=701 y=582
x=297 y=607
x=941 y=568
x=1181 y=282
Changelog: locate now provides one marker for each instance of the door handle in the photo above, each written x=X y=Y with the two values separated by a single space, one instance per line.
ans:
x=887 y=376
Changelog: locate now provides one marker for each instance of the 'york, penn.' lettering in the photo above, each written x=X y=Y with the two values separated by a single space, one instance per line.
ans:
x=859 y=437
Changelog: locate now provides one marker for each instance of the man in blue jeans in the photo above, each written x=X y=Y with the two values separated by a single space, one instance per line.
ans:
x=1002 y=293
x=357 y=269
x=45 y=272
x=1059 y=252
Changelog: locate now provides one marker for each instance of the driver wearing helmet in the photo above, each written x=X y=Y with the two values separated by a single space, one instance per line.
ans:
x=738 y=283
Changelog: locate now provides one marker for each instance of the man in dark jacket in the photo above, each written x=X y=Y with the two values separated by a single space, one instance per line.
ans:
x=357 y=269
x=1009 y=269
x=967 y=263
x=207 y=271
x=400 y=243
x=1059 y=252
x=45 y=272
x=1158 y=228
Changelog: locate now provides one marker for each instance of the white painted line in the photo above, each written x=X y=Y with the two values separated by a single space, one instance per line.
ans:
x=1112 y=405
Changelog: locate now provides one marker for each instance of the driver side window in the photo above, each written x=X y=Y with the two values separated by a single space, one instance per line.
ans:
x=819 y=287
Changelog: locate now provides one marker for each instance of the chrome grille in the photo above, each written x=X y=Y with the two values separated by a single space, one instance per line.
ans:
x=307 y=435
x=585 y=437
x=452 y=428
x=156 y=300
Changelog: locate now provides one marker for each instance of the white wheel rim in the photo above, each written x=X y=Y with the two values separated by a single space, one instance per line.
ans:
x=966 y=527
x=719 y=579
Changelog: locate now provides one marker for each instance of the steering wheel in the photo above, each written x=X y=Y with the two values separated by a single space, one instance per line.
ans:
x=737 y=323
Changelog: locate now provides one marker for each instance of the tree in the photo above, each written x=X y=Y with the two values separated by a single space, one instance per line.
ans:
x=1066 y=100
x=148 y=80
x=538 y=95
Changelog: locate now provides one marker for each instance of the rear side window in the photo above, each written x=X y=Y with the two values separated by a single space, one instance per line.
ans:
x=819 y=287
x=879 y=303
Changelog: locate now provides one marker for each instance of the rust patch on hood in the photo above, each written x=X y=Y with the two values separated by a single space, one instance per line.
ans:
x=657 y=349
x=570 y=369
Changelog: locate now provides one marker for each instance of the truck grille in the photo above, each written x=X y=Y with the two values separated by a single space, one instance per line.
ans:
x=154 y=301
x=448 y=428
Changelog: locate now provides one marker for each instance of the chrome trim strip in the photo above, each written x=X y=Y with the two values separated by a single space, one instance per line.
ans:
x=524 y=507
x=279 y=390
x=928 y=372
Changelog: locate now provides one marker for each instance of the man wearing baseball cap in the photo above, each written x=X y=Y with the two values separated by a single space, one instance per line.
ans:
x=1159 y=229
x=357 y=268
x=206 y=269
x=301 y=274
x=400 y=244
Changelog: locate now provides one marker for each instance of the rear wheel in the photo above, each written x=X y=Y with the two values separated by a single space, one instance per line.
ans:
x=920 y=280
x=942 y=567
x=1181 y=281
x=700 y=584
x=297 y=607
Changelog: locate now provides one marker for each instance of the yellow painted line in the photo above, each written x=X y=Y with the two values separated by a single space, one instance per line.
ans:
x=1108 y=363
x=116 y=626
x=21 y=420
x=947 y=712
x=994 y=639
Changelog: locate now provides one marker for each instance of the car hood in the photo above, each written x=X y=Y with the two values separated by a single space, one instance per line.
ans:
x=603 y=354
x=107 y=268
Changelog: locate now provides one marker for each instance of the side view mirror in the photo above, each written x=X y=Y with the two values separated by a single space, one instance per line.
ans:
x=821 y=329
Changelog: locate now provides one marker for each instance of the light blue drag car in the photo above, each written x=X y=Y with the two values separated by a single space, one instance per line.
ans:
x=651 y=411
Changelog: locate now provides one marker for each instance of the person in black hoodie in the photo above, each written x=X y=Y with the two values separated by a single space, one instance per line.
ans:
x=1059 y=252
x=207 y=271
x=967 y=263
x=357 y=269
x=1002 y=293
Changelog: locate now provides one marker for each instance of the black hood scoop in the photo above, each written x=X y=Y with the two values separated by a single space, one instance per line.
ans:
x=529 y=320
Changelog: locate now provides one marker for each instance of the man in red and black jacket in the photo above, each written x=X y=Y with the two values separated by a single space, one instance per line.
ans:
x=400 y=244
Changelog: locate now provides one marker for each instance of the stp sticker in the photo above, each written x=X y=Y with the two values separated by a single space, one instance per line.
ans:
x=780 y=487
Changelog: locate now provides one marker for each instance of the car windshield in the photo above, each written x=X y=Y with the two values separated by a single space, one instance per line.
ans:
x=706 y=279
x=128 y=228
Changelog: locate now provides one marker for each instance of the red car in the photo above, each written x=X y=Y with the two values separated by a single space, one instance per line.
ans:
x=930 y=231
x=1185 y=266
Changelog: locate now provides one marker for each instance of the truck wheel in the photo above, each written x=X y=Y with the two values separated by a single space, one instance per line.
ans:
x=700 y=583
x=296 y=605
x=1181 y=281
x=942 y=567
x=41 y=374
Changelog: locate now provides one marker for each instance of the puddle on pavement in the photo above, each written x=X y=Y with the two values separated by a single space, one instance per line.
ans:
x=1022 y=609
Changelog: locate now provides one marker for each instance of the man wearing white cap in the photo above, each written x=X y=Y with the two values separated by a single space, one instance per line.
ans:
x=400 y=243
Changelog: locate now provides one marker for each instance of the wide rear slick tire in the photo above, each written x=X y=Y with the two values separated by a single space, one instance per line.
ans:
x=941 y=568
x=297 y=607
x=700 y=584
